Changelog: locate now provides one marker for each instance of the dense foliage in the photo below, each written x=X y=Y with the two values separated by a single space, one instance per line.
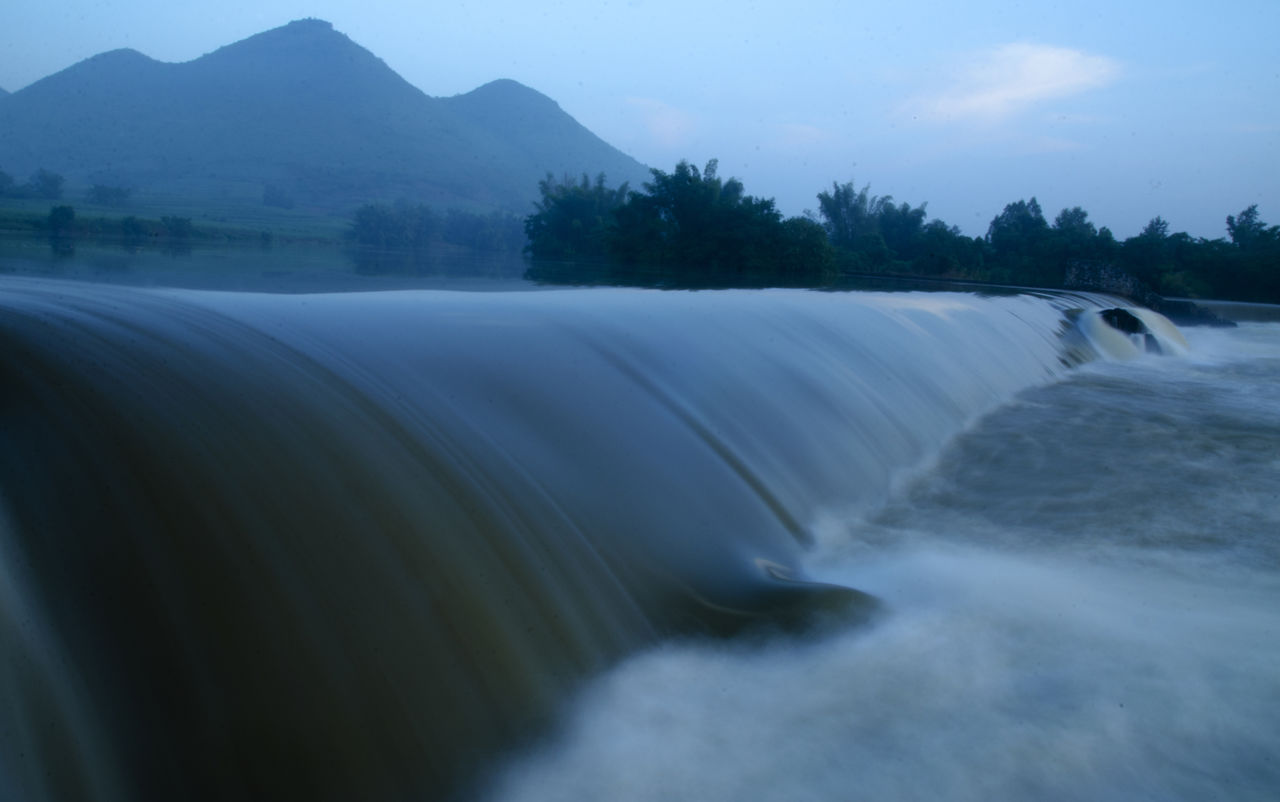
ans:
x=692 y=228
x=687 y=227
x=573 y=219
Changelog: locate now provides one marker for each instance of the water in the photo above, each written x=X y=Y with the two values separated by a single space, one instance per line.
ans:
x=1084 y=604
x=295 y=267
x=398 y=545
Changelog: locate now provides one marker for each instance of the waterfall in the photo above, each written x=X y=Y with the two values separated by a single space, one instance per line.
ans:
x=350 y=545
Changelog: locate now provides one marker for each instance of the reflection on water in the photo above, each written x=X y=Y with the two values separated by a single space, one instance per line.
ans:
x=294 y=267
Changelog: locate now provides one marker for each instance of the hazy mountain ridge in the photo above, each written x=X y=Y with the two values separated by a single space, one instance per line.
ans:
x=302 y=108
x=499 y=105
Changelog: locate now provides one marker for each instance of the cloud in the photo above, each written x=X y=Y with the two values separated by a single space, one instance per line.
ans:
x=666 y=124
x=996 y=84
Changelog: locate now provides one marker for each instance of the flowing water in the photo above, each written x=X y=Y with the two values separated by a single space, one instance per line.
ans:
x=396 y=545
x=1083 y=600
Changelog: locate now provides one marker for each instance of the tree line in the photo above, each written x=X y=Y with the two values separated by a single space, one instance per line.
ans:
x=692 y=228
x=405 y=237
x=64 y=229
x=48 y=185
x=418 y=228
x=689 y=227
x=42 y=184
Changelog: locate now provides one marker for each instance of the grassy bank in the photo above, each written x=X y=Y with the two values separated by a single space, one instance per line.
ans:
x=159 y=218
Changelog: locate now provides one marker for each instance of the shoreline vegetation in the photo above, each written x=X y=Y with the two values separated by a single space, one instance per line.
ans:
x=692 y=229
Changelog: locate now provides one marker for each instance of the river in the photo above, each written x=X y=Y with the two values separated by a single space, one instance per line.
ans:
x=1084 y=597
x=632 y=544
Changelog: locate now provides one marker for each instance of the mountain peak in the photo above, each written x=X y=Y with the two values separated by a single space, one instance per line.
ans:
x=310 y=28
x=308 y=24
x=502 y=85
x=304 y=54
x=298 y=38
x=104 y=74
x=506 y=89
x=504 y=98
x=124 y=55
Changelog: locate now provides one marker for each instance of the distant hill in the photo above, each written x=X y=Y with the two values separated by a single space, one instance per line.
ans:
x=538 y=137
x=302 y=109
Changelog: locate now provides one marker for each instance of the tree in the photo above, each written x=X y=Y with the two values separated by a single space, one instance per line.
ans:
x=946 y=251
x=573 y=219
x=403 y=226
x=133 y=233
x=902 y=228
x=872 y=234
x=61 y=221
x=375 y=226
x=1255 y=261
x=496 y=232
x=1020 y=223
x=1074 y=223
x=805 y=253
x=1017 y=238
x=704 y=226
x=1147 y=255
x=1247 y=231
x=1074 y=241
x=1106 y=245
x=177 y=227
x=44 y=184
x=688 y=227
x=850 y=216
x=1156 y=229
x=687 y=217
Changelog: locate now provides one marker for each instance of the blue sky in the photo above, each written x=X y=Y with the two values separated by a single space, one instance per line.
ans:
x=1130 y=109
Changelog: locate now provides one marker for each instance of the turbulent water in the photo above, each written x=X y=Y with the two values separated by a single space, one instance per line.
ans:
x=1084 y=604
x=395 y=545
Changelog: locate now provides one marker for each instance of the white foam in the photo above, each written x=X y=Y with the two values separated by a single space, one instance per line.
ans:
x=992 y=677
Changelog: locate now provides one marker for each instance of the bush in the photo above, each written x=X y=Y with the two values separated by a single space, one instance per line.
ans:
x=61 y=221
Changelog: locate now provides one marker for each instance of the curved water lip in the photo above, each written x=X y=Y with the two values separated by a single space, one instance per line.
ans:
x=350 y=545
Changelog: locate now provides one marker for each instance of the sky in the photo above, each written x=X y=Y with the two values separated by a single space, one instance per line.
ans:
x=1128 y=109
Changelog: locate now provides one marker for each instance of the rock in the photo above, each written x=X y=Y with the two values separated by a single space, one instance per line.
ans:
x=1105 y=277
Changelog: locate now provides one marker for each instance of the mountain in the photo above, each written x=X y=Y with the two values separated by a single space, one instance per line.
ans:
x=305 y=110
x=547 y=135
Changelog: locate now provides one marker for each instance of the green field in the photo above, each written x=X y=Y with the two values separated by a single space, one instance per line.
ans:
x=230 y=219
